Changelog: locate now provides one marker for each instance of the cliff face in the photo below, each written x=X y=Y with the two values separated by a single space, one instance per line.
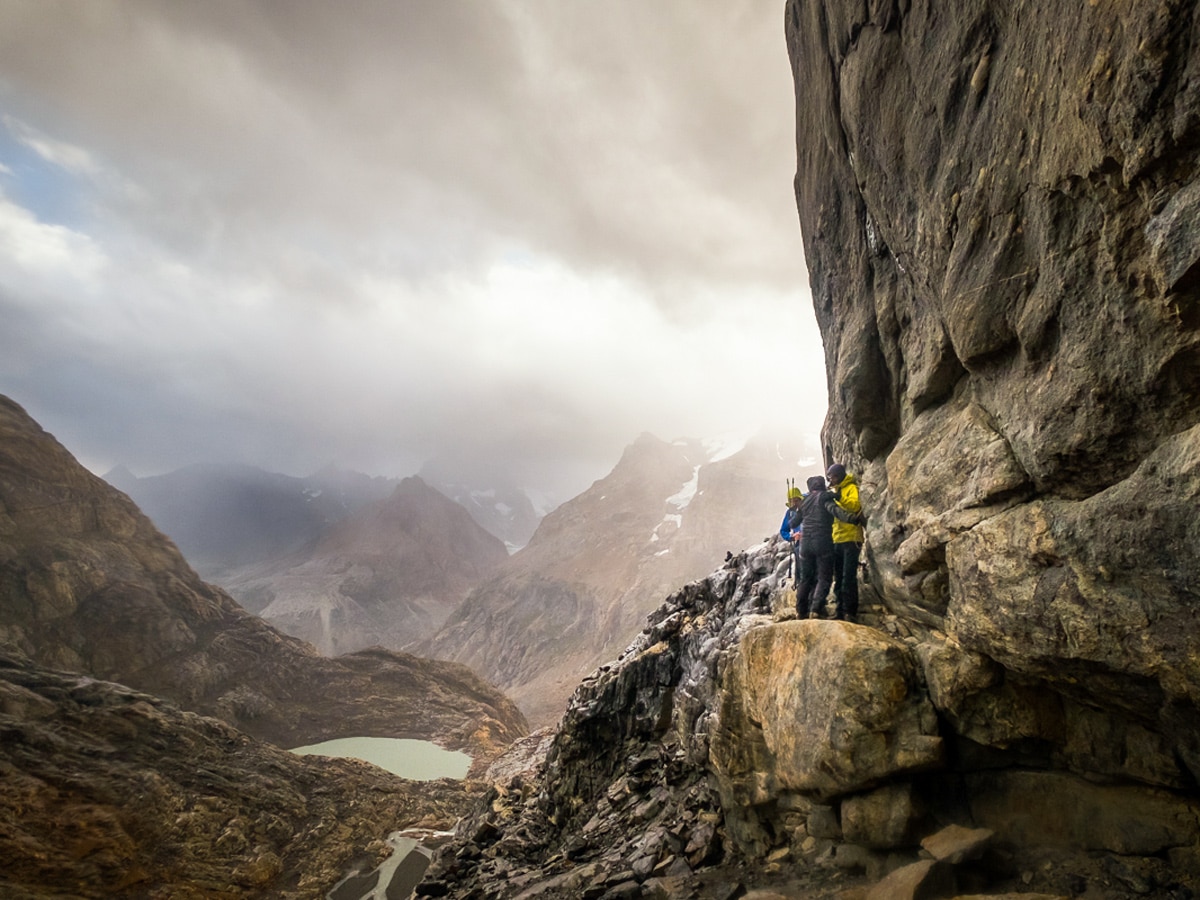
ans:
x=1002 y=227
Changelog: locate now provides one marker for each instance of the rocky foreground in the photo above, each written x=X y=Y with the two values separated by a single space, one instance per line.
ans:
x=109 y=792
x=733 y=748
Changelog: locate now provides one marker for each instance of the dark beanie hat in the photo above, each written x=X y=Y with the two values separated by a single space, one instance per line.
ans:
x=816 y=483
x=836 y=472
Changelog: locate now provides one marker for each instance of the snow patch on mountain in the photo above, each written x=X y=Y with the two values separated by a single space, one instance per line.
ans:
x=672 y=519
x=681 y=498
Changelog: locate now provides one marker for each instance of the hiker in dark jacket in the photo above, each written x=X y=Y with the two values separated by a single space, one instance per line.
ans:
x=818 y=511
x=816 y=549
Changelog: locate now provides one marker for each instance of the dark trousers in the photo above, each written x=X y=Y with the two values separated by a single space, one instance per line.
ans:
x=845 y=573
x=812 y=588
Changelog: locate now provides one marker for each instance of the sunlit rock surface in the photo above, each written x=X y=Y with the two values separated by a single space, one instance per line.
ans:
x=824 y=708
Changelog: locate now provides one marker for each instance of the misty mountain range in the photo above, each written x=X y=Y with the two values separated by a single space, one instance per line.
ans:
x=224 y=516
x=346 y=561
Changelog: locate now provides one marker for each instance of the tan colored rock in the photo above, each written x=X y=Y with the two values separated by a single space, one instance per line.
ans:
x=972 y=691
x=884 y=818
x=922 y=880
x=820 y=707
x=955 y=843
x=1055 y=590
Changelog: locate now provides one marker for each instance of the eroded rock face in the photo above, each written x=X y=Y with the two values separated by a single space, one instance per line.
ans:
x=1001 y=224
x=820 y=708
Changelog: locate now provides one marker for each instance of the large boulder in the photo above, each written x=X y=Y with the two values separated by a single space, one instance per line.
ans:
x=819 y=708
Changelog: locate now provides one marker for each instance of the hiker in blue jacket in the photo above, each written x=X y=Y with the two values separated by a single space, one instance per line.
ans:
x=793 y=527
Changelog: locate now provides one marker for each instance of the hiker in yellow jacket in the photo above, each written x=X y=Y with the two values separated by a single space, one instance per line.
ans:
x=847 y=542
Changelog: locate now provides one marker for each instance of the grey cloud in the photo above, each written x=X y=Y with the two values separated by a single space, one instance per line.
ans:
x=295 y=207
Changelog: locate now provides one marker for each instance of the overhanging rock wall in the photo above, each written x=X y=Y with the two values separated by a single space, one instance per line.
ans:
x=1001 y=219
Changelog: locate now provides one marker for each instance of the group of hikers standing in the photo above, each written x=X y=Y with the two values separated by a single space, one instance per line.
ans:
x=825 y=527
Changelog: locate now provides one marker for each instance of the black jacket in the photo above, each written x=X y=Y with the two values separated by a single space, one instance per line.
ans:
x=818 y=510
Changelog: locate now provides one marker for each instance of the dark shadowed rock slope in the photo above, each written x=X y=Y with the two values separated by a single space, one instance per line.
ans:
x=87 y=584
x=387 y=575
x=109 y=792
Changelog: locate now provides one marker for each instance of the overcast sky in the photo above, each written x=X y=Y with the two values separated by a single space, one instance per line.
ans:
x=293 y=232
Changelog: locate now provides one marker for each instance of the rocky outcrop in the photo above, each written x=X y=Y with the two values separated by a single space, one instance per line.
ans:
x=109 y=792
x=1000 y=218
x=732 y=747
x=578 y=593
x=87 y=584
x=387 y=575
x=999 y=214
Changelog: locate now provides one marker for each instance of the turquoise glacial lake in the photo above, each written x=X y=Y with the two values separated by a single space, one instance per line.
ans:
x=408 y=758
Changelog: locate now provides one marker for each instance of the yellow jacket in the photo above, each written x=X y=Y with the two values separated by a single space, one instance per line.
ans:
x=847 y=499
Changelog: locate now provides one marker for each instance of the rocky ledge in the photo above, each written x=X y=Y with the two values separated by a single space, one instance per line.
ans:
x=732 y=747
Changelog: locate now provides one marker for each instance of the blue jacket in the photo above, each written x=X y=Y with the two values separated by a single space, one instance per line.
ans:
x=793 y=524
